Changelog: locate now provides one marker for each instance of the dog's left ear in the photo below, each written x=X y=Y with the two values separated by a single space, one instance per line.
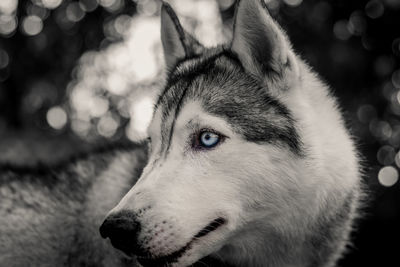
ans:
x=260 y=43
x=177 y=43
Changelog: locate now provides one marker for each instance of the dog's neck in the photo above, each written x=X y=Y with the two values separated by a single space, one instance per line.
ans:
x=320 y=245
x=263 y=248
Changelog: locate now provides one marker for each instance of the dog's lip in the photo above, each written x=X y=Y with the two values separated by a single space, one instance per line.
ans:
x=174 y=257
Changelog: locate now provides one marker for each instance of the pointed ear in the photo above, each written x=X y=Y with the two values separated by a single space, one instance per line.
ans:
x=177 y=43
x=259 y=42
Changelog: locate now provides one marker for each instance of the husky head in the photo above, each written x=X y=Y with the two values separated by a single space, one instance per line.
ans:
x=232 y=171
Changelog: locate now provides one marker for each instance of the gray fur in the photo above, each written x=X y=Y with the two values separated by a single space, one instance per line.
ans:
x=49 y=216
x=221 y=84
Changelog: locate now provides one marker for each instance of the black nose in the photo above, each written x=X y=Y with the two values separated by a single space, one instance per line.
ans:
x=122 y=228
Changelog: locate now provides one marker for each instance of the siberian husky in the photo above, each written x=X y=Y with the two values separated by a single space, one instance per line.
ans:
x=249 y=158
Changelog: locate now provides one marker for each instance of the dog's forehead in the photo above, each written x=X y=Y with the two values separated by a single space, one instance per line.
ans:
x=201 y=76
x=223 y=88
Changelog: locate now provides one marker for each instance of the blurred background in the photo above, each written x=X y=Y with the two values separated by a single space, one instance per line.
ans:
x=75 y=73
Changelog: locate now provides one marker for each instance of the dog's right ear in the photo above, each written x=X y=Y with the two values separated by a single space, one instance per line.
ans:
x=177 y=43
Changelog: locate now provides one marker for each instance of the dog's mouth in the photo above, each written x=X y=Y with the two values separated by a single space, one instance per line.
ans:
x=167 y=260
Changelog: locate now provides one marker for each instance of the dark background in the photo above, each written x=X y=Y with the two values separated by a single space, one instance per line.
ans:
x=354 y=45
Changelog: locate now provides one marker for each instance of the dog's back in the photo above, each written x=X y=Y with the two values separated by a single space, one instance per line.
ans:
x=50 y=216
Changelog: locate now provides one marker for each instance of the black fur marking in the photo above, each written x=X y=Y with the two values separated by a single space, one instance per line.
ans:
x=212 y=226
x=201 y=65
x=236 y=5
x=228 y=91
x=172 y=106
x=174 y=94
x=178 y=74
x=177 y=110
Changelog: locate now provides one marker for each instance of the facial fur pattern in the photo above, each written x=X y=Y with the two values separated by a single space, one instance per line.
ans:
x=281 y=186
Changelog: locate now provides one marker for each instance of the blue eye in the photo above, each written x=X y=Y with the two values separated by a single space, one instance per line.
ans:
x=209 y=139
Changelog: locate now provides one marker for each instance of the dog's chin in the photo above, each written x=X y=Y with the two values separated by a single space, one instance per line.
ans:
x=193 y=256
x=203 y=244
x=179 y=258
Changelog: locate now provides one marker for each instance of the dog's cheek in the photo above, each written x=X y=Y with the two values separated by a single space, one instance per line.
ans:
x=259 y=180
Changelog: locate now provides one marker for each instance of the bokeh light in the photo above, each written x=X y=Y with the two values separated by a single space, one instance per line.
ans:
x=380 y=129
x=374 y=9
x=112 y=5
x=141 y=114
x=397 y=159
x=38 y=11
x=293 y=3
x=75 y=12
x=396 y=47
x=388 y=176
x=386 y=155
x=366 y=113
x=384 y=65
x=8 y=24
x=398 y=97
x=8 y=6
x=357 y=24
x=56 y=117
x=32 y=25
x=88 y=5
x=396 y=78
x=4 y=59
x=341 y=31
x=147 y=7
x=107 y=126
x=50 y=4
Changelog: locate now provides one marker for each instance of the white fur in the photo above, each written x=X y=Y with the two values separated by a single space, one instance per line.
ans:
x=274 y=201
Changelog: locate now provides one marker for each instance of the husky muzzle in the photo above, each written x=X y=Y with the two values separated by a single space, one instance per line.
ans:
x=123 y=229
